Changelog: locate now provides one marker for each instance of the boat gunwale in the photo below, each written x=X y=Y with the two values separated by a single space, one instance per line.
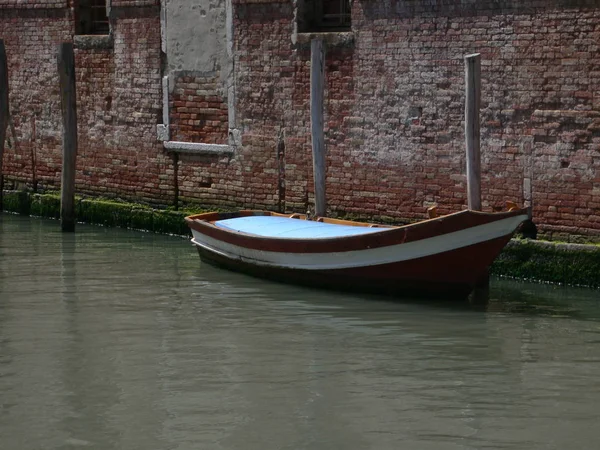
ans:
x=207 y=220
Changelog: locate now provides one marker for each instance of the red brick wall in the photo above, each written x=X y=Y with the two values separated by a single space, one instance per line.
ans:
x=264 y=88
x=540 y=106
x=119 y=104
x=31 y=37
x=198 y=110
x=393 y=108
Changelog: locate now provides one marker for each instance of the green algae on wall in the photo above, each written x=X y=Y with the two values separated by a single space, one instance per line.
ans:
x=17 y=201
x=569 y=264
x=42 y=205
x=109 y=213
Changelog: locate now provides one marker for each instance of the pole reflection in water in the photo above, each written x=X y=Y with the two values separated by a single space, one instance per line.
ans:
x=118 y=339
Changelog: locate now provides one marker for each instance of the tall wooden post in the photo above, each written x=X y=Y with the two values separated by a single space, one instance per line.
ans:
x=66 y=71
x=472 y=134
x=317 y=75
x=480 y=292
x=3 y=113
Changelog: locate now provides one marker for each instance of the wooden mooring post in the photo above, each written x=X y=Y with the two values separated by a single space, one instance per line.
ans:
x=472 y=133
x=317 y=76
x=3 y=114
x=481 y=291
x=66 y=72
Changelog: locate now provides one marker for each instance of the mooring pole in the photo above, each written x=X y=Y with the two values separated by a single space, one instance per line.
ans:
x=472 y=133
x=66 y=71
x=317 y=75
x=3 y=113
x=480 y=292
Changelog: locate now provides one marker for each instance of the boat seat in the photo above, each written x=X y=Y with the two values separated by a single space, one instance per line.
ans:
x=284 y=227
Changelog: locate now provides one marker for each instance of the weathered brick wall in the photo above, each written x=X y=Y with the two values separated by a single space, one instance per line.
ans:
x=264 y=89
x=31 y=38
x=119 y=104
x=198 y=110
x=265 y=65
x=395 y=106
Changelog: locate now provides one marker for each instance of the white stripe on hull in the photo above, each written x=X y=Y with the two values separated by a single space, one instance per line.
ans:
x=362 y=258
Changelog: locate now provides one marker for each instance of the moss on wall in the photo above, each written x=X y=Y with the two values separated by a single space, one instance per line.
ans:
x=570 y=264
x=104 y=212
x=42 y=205
x=17 y=201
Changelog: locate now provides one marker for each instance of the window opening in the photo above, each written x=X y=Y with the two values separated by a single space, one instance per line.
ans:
x=323 y=15
x=92 y=18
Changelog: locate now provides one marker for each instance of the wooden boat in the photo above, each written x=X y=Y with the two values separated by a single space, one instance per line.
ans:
x=444 y=255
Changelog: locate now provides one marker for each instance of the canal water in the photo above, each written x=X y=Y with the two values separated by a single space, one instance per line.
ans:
x=114 y=339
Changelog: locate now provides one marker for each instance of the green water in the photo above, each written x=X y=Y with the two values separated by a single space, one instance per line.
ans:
x=113 y=339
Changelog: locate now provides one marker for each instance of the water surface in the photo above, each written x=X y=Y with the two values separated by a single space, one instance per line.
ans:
x=115 y=339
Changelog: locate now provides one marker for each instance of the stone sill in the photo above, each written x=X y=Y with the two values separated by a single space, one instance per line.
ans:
x=93 y=41
x=197 y=148
x=330 y=39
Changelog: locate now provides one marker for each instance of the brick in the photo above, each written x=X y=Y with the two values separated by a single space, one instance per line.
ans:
x=393 y=109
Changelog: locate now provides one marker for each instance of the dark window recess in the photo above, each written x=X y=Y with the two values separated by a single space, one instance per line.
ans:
x=92 y=18
x=323 y=15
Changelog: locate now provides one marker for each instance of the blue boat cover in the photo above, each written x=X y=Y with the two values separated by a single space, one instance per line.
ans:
x=284 y=227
